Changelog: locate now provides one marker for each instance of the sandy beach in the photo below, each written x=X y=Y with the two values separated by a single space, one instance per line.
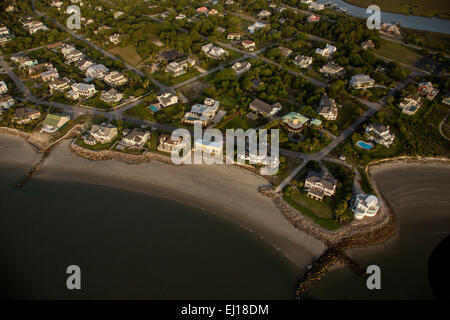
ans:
x=228 y=191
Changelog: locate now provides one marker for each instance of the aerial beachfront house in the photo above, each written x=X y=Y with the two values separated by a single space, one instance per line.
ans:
x=327 y=108
x=264 y=108
x=114 y=38
x=136 y=138
x=313 y=18
x=111 y=96
x=327 y=51
x=303 y=61
x=285 y=52
x=84 y=64
x=33 y=26
x=380 y=134
x=35 y=70
x=234 y=36
x=202 y=113
x=365 y=205
x=115 y=79
x=74 y=56
x=426 y=89
x=176 y=68
x=26 y=115
x=316 y=6
x=59 y=85
x=5 y=35
x=3 y=87
x=167 y=143
x=81 y=90
x=241 y=67
x=368 y=44
x=255 y=27
x=264 y=14
x=332 y=69
x=202 y=10
x=390 y=28
x=170 y=55
x=294 y=122
x=249 y=45
x=215 y=148
x=214 y=52
x=361 y=81
x=6 y=102
x=410 y=104
x=117 y=14
x=167 y=99
x=49 y=75
x=320 y=185
x=104 y=133
x=98 y=71
x=53 y=123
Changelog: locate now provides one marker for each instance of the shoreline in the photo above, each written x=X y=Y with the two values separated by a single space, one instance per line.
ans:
x=438 y=15
x=223 y=186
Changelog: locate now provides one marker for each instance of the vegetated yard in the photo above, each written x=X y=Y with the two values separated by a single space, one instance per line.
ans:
x=194 y=90
x=128 y=54
x=140 y=112
x=238 y=122
x=432 y=40
x=428 y=8
x=349 y=112
x=320 y=208
x=170 y=80
x=326 y=223
x=398 y=52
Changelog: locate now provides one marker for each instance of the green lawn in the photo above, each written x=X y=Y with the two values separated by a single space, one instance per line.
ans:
x=238 y=122
x=140 y=112
x=329 y=224
x=398 y=52
x=320 y=208
x=128 y=54
x=169 y=80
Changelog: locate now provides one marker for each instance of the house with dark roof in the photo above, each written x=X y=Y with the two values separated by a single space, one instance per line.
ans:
x=171 y=55
x=26 y=115
x=327 y=108
x=264 y=108
x=319 y=185
x=136 y=138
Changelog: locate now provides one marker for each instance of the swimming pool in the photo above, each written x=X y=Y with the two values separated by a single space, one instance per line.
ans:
x=154 y=108
x=364 y=145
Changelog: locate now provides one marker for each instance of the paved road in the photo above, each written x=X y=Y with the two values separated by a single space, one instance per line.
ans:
x=373 y=107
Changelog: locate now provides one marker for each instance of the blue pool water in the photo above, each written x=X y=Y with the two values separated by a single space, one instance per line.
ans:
x=364 y=145
x=153 y=108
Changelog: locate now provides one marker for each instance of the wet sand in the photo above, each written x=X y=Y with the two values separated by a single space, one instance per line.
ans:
x=228 y=191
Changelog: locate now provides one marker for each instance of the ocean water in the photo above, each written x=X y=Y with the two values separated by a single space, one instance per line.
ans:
x=128 y=246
